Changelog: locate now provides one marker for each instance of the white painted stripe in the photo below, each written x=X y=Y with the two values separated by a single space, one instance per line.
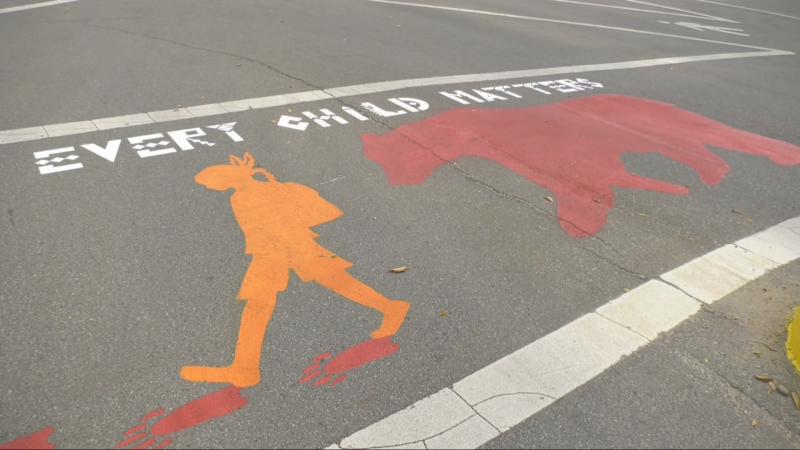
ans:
x=566 y=22
x=169 y=115
x=430 y=416
x=650 y=309
x=29 y=134
x=64 y=129
x=22 y=134
x=123 y=121
x=707 y=16
x=34 y=6
x=510 y=390
x=779 y=243
x=750 y=9
x=692 y=14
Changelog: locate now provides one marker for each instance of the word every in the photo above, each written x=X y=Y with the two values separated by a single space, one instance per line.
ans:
x=146 y=146
x=325 y=117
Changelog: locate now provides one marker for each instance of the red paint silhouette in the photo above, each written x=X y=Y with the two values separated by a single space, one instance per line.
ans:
x=572 y=148
x=194 y=413
x=34 y=440
x=355 y=356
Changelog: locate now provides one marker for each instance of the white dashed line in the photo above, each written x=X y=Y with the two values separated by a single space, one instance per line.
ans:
x=501 y=395
x=34 y=6
x=46 y=131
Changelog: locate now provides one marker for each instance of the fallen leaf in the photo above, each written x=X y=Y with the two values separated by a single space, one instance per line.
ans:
x=766 y=289
x=772 y=387
x=274 y=121
x=783 y=390
x=642 y=215
x=374 y=218
x=399 y=269
x=596 y=200
x=757 y=352
x=549 y=199
x=755 y=422
x=443 y=313
x=735 y=318
x=764 y=378
x=749 y=220
x=737 y=212
x=796 y=399
x=705 y=360
x=290 y=109
x=330 y=256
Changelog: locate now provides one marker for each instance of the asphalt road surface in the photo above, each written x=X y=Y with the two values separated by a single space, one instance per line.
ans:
x=523 y=163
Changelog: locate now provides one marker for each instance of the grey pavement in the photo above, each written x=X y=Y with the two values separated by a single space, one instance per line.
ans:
x=115 y=276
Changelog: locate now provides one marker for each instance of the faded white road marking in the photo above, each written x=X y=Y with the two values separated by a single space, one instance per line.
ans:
x=566 y=22
x=492 y=400
x=706 y=16
x=692 y=14
x=41 y=132
x=34 y=6
x=699 y=27
x=750 y=9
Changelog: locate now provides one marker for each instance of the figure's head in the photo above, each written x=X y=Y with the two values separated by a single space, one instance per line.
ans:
x=234 y=175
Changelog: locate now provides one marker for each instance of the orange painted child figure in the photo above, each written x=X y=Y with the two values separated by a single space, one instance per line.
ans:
x=276 y=219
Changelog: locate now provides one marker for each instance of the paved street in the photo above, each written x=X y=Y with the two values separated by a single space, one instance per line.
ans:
x=462 y=223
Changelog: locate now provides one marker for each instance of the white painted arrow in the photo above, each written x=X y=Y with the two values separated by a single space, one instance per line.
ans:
x=698 y=27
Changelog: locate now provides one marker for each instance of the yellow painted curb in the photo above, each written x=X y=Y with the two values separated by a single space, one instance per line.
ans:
x=793 y=341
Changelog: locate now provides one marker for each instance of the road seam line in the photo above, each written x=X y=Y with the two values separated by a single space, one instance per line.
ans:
x=500 y=392
x=40 y=132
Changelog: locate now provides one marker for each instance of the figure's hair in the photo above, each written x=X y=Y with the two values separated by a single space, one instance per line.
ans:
x=247 y=163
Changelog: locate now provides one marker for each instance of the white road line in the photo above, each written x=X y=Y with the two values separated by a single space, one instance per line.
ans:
x=692 y=15
x=34 y=6
x=750 y=9
x=501 y=395
x=566 y=22
x=709 y=17
x=41 y=132
x=48 y=131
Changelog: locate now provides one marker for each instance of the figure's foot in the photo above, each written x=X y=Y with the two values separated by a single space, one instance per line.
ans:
x=327 y=370
x=393 y=317
x=235 y=375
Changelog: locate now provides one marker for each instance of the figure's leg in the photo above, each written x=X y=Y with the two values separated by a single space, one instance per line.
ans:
x=260 y=287
x=394 y=311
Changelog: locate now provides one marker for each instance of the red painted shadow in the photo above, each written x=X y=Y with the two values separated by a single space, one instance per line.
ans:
x=572 y=148
x=353 y=357
x=218 y=404
x=32 y=441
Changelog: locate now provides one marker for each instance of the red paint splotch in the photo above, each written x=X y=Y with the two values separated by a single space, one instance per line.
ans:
x=37 y=440
x=572 y=148
x=331 y=371
x=217 y=404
